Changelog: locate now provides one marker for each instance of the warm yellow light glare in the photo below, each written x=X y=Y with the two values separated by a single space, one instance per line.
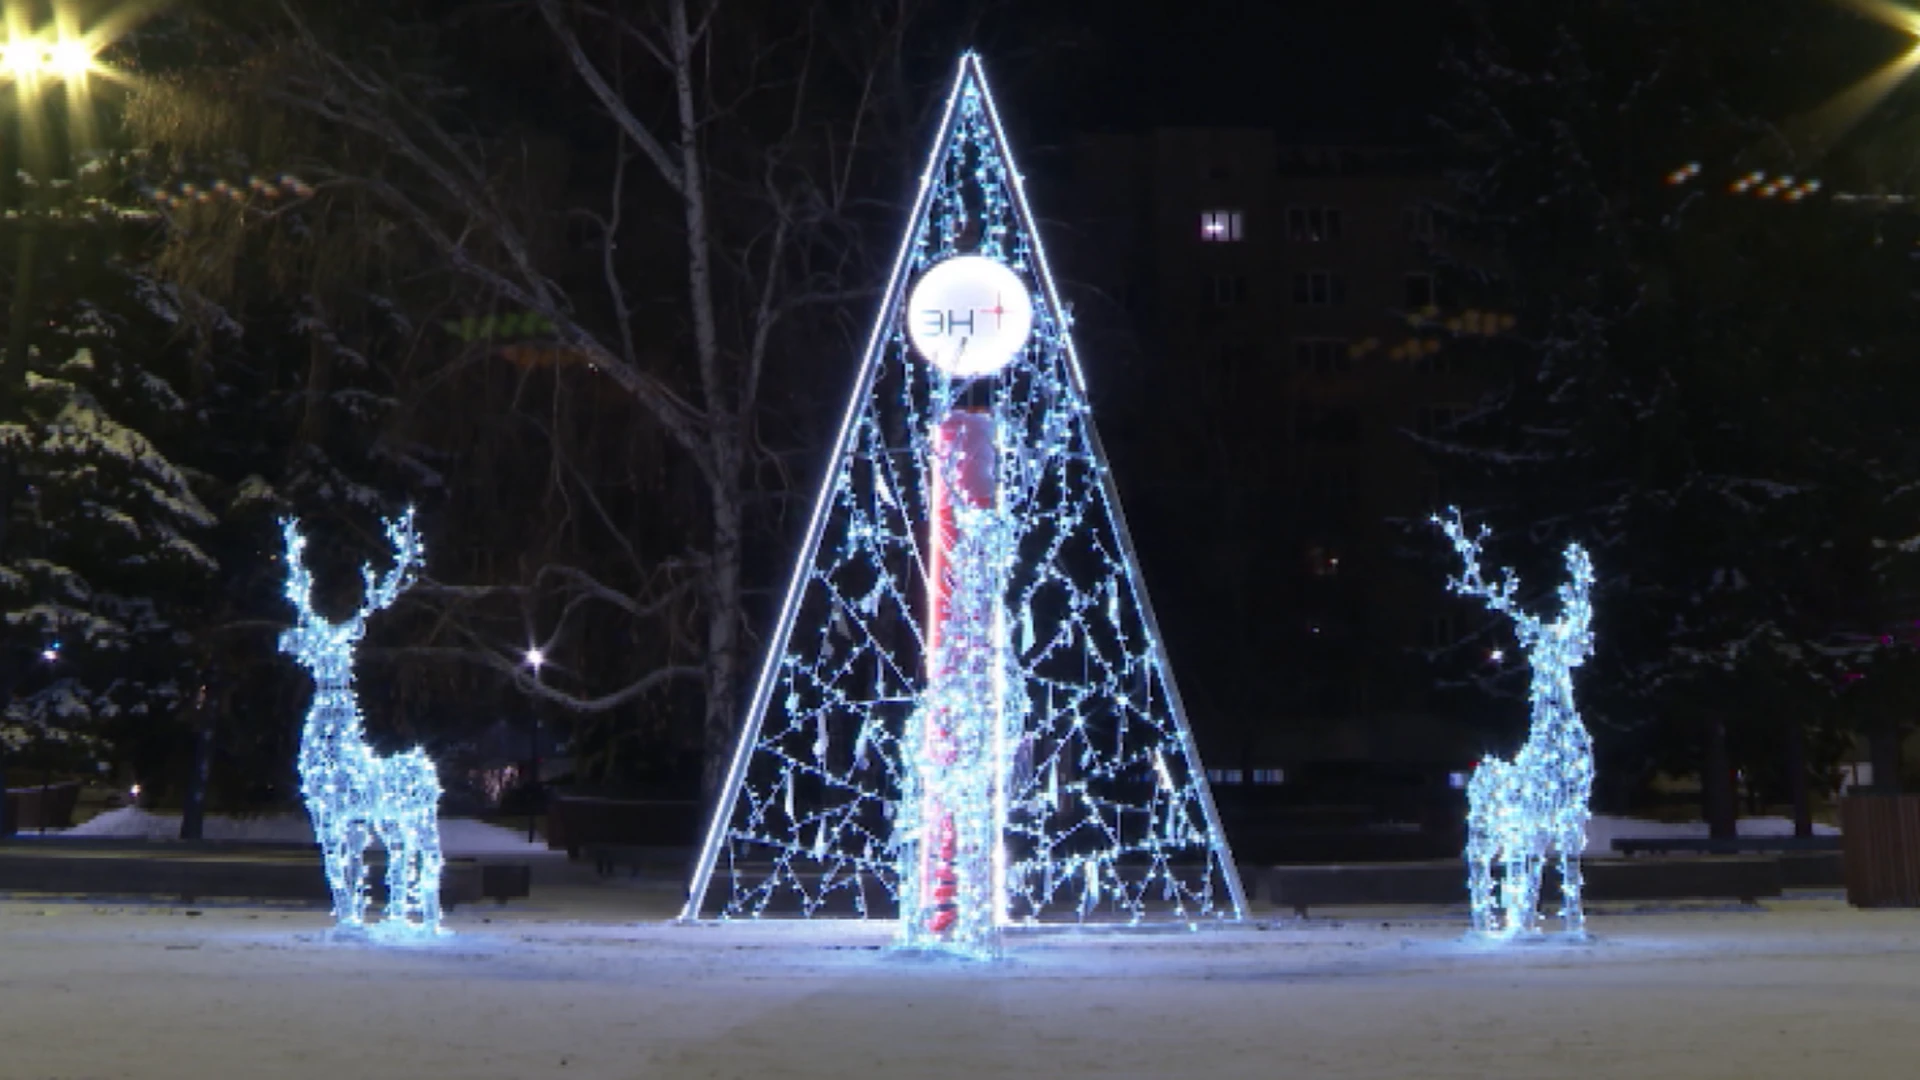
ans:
x=1828 y=122
x=1885 y=11
x=71 y=59
x=20 y=59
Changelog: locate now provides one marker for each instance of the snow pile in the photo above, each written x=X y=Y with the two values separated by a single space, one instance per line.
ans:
x=1605 y=828
x=458 y=836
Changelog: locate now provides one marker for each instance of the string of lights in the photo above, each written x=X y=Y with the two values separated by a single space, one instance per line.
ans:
x=1521 y=811
x=1019 y=755
x=352 y=795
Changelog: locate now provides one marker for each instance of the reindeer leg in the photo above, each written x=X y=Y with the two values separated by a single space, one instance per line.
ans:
x=1515 y=896
x=399 y=872
x=333 y=856
x=1480 y=883
x=1573 y=913
x=1536 y=872
x=430 y=867
x=358 y=836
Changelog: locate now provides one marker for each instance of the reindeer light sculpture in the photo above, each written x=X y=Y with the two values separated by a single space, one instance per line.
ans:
x=1522 y=810
x=353 y=795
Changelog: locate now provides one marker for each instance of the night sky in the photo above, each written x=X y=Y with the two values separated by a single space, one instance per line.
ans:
x=1347 y=71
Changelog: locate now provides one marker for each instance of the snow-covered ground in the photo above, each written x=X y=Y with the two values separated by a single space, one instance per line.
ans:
x=458 y=836
x=1809 y=989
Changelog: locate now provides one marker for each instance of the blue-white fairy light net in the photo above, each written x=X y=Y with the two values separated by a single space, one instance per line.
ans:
x=1085 y=781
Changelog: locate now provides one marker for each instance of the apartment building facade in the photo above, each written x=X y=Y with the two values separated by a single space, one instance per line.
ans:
x=1267 y=321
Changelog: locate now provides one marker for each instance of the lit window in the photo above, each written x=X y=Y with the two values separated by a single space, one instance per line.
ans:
x=1220 y=226
x=1223 y=776
x=1313 y=224
x=1269 y=776
x=1319 y=288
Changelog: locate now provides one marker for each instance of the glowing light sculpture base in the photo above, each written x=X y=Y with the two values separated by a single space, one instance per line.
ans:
x=353 y=796
x=1522 y=811
x=965 y=719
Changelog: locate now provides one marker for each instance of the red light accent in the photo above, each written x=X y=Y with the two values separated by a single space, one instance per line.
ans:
x=963 y=452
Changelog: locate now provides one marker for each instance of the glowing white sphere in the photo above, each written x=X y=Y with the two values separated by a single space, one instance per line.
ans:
x=969 y=316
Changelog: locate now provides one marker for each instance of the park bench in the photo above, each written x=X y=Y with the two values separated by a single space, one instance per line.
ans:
x=607 y=858
x=195 y=870
x=49 y=806
x=1742 y=878
x=1724 y=845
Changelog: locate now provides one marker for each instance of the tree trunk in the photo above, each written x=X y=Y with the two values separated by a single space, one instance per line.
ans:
x=313 y=419
x=723 y=642
x=193 y=813
x=1797 y=787
x=1716 y=784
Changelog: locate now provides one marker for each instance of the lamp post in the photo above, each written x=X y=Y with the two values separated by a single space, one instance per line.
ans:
x=32 y=59
x=536 y=658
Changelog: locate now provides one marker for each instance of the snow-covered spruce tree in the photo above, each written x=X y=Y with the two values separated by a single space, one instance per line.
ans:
x=103 y=549
x=1670 y=392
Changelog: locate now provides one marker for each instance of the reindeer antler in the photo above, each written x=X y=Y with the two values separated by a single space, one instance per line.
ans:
x=408 y=555
x=1576 y=607
x=1471 y=582
x=299 y=585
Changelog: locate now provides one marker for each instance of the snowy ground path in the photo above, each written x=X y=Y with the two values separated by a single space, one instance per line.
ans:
x=1807 y=989
x=458 y=836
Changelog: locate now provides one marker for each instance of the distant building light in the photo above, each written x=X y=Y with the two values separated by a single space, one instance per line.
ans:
x=1221 y=226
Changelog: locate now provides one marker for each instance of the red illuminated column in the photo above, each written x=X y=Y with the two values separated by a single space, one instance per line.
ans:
x=956 y=741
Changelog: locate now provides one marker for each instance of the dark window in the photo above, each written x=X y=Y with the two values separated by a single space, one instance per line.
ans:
x=1323 y=562
x=1334 y=425
x=1322 y=356
x=1421 y=223
x=1328 y=487
x=1419 y=292
x=1238 y=355
x=1313 y=224
x=1319 y=288
x=1437 y=419
x=1227 y=290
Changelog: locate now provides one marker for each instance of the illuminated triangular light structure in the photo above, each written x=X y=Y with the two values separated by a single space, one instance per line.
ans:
x=966 y=718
